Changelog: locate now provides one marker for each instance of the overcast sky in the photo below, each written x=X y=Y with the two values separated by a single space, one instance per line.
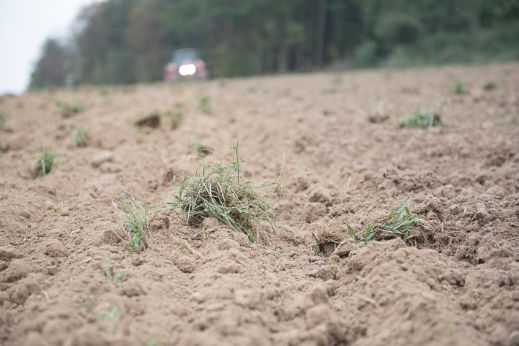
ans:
x=24 y=27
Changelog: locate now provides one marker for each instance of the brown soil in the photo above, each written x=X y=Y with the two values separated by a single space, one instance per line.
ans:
x=65 y=281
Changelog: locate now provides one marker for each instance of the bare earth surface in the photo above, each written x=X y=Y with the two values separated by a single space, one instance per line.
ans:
x=65 y=281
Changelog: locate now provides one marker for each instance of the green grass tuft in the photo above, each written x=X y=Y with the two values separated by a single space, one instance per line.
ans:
x=458 y=88
x=44 y=164
x=396 y=224
x=421 y=119
x=221 y=192
x=338 y=79
x=204 y=105
x=134 y=216
x=80 y=138
x=67 y=110
x=3 y=120
x=176 y=117
x=4 y=147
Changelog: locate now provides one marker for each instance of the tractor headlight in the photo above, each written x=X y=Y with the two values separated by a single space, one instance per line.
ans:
x=187 y=70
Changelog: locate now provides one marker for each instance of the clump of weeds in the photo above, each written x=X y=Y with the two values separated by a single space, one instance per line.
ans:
x=135 y=218
x=458 y=88
x=221 y=192
x=204 y=105
x=399 y=223
x=80 y=138
x=68 y=110
x=201 y=149
x=4 y=147
x=421 y=119
x=44 y=163
x=489 y=85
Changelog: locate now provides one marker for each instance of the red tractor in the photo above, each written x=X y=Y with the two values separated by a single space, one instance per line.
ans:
x=185 y=64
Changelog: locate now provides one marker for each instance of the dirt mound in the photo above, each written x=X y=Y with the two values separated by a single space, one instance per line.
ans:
x=67 y=276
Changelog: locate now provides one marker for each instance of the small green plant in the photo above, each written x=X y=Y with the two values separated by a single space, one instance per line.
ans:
x=489 y=85
x=177 y=115
x=104 y=90
x=4 y=147
x=200 y=149
x=458 y=88
x=44 y=163
x=111 y=315
x=80 y=138
x=152 y=341
x=221 y=192
x=396 y=224
x=3 y=120
x=363 y=236
x=114 y=278
x=90 y=301
x=67 y=110
x=421 y=119
x=204 y=105
x=134 y=216
x=337 y=79
x=252 y=89
x=175 y=119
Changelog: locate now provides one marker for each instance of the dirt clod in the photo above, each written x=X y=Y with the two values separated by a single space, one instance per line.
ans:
x=55 y=248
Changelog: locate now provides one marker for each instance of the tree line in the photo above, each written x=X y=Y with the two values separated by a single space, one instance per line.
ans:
x=128 y=41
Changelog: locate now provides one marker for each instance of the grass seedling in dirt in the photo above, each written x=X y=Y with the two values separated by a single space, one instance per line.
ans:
x=80 y=138
x=152 y=341
x=397 y=224
x=200 y=149
x=134 y=216
x=219 y=191
x=337 y=80
x=67 y=110
x=489 y=85
x=458 y=88
x=204 y=105
x=104 y=90
x=112 y=315
x=176 y=117
x=421 y=119
x=3 y=120
x=113 y=278
x=90 y=301
x=44 y=164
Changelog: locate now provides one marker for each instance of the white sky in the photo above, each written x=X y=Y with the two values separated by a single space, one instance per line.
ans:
x=24 y=27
